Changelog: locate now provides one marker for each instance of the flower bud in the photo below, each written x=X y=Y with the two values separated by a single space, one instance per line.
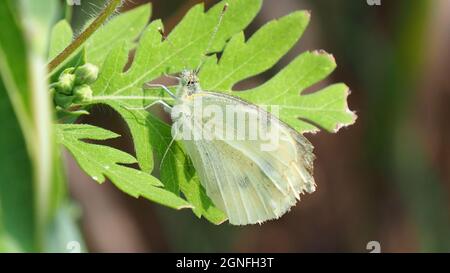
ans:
x=66 y=81
x=86 y=74
x=82 y=93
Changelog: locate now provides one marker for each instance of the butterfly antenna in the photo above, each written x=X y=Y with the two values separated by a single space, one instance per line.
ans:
x=165 y=38
x=213 y=36
x=165 y=153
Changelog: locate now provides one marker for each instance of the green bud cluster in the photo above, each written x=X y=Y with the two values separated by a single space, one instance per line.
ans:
x=73 y=87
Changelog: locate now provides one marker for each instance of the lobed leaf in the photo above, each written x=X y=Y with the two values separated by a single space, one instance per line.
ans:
x=153 y=58
x=100 y=161
x=123 y=28
x=306 y=113
x=240 y=60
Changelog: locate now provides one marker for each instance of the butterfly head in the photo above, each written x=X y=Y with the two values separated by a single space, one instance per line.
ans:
x=189 y=82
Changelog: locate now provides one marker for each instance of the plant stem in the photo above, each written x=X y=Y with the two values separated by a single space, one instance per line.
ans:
x=101 y=18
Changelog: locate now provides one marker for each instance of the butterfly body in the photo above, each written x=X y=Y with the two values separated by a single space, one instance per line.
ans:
x=251 y=177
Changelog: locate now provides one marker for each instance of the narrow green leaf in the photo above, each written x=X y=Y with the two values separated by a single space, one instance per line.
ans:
x=13 y=60
x=22 y=72
x=16 y=185
x=48 y=183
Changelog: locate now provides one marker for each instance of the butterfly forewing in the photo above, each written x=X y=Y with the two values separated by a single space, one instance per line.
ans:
x=252 y=176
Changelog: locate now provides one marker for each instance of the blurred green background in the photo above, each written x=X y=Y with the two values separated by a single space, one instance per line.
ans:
x=385 y=179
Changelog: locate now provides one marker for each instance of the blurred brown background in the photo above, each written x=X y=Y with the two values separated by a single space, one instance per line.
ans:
x=386 y=178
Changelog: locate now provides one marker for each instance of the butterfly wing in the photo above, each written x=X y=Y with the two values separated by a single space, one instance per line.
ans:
x=244 y=178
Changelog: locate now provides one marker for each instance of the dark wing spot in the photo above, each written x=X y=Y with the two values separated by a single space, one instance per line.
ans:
x=244 y=182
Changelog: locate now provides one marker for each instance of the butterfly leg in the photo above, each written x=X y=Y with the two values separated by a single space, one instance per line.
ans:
x=167 y=108
x=163 y=87
x=171 y=76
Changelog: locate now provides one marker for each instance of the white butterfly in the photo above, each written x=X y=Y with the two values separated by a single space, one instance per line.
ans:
x=250 y=184
x=250 y=180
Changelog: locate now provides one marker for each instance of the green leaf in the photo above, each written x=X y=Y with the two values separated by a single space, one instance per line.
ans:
x=13 y=60
x=240 y=60
x=100 y=161
x=124 y=28
x=326 y=108
x=49 y=183
x=7 y=244
x=139 y=128
x=154 y=58
x=177 y=171
x=61 y=37
x=188 y=43
x=17 y=214
x=28 y=199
